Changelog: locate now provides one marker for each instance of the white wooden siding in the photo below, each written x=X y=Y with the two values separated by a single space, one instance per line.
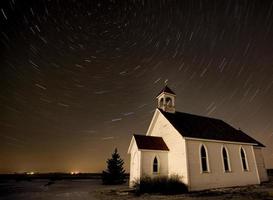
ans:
x=135 y=163
x=177 y=163
x=147 y=158
x=260 y=164
x=217 y=177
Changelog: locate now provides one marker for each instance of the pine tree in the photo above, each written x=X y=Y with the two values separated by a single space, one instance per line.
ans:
x=115 y=174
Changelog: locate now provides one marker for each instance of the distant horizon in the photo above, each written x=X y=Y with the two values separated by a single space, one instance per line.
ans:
x=47 y=172
x=37 y=173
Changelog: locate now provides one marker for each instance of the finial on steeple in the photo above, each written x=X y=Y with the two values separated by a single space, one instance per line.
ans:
x=166 y=82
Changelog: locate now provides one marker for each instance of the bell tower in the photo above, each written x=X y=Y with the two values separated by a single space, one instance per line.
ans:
x=166 y=100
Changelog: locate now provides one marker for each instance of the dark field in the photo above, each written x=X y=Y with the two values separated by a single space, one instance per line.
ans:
x=42 y=189
x=91 y=189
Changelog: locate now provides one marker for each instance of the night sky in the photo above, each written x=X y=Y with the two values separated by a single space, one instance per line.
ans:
x=78 y=78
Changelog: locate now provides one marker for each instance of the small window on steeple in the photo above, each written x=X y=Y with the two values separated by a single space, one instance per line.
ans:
x=169 y=101
x=166 y=100
x=161 y=102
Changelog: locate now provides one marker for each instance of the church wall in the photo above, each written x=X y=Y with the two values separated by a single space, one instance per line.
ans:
x=147 y=158
x=216 y=177
x=260 y=164
x=177 y=164
x=135 y=163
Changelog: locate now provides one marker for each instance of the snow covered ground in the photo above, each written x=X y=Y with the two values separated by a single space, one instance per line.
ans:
x=94 y=190
x=59 y=190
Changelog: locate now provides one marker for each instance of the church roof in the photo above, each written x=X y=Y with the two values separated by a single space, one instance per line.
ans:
x=167 y=90
x=150 y=143
x=194 y=126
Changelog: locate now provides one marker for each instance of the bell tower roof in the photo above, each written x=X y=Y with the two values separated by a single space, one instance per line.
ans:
x=166 y=89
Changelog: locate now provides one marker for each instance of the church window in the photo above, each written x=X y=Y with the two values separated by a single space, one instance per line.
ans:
x=204 y=159
x=225 y=160
x=155 y=165
x=243 y=159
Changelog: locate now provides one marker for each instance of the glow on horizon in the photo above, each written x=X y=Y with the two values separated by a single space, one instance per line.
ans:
x=74 y=172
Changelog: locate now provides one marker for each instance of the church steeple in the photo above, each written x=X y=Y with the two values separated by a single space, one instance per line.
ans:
x=166 y=100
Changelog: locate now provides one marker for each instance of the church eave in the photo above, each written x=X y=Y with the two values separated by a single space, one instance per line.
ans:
x=220 y=141
x=154 y=150
x=145 y=142
x=165 y=93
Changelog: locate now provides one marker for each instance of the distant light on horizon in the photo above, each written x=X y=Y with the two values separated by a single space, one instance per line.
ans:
x=74 y=172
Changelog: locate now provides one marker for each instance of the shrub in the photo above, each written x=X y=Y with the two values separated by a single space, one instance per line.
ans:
x=161 y=184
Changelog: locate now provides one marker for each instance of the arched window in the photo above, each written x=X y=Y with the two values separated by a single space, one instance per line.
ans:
x=155 y=165
x=169 y=101
x=161 y=102
x=243 y=158
x=225 y=160
x=204 y=159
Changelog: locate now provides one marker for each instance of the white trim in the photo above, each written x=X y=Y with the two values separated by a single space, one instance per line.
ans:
x=151 y=126
x=255 y=163
x=228 y=159
x=187 y=164
x=140 y=164
x=165 y=93
x=200 y=159
x=151 y=150
x=247 y=167
x=133 y=163
x=219 y=141
x=131 y=144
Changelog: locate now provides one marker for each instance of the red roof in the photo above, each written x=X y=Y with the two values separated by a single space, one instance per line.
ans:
x=150 y=143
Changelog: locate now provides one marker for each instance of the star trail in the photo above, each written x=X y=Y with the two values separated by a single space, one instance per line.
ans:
x=79 y=77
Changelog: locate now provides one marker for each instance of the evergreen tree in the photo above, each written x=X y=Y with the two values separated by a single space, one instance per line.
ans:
x=115 y=174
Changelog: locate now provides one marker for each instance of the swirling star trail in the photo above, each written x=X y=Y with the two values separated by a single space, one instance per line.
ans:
x=78 y=78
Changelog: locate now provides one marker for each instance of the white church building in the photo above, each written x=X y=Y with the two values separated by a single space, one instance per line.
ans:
x=204 y=152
